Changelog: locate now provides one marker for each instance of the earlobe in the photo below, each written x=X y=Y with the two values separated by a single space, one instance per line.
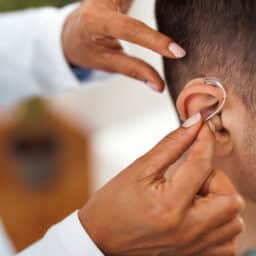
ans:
x=197 y=97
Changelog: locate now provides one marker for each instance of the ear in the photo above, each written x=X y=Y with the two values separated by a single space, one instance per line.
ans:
x=198 y=97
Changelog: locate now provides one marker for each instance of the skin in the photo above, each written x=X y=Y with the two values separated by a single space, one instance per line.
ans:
x=240 y=163
x=234 y=131
x=141 y=212
x=90 y=40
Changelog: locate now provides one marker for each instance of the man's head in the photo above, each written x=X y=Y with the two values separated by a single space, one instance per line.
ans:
x=220 y=39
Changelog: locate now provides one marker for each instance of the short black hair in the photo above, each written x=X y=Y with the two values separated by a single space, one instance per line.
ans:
x=220 y=39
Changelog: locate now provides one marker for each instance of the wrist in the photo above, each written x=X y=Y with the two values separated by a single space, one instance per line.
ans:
x=91 y=226
x=68 y=37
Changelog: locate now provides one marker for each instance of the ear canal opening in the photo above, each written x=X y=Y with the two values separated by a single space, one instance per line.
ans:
x=217 y=122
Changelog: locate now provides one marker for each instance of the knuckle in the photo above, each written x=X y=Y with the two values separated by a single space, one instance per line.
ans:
x=189 y=235
x=173 y=220
x=240 y=225
x=167 y=218
x=241 y=202
x=236 y=203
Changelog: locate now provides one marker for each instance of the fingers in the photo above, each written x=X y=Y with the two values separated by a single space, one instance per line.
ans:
x=209 y=214
x=169 y=149
x=131 y=30
x=133 y=67
x=192 y=174
x=101 y=24
x=227 y=249
x=220 y=235
x=112 y=23
x=221 y=185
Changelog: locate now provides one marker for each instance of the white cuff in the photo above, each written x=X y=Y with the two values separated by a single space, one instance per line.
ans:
x=6 y=248
x=75 y=239
x=50 y=66
x=68 y=238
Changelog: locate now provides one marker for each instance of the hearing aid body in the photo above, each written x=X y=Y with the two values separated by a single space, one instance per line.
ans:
x=211 y=81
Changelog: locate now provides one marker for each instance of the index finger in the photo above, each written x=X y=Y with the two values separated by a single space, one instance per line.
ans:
x=157 y=160
x=193 y=173
x=134 y=31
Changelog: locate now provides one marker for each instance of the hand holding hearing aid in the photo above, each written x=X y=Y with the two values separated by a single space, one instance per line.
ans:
x=144 y=212
x=90 y=40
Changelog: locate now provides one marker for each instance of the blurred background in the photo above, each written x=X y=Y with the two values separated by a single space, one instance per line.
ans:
x=56 y=152
x=9 y=5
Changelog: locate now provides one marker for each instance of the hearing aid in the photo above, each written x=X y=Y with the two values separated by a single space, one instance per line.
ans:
x=212 y=81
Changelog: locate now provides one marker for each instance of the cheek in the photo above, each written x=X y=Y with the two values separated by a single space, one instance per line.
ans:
x=236 y=120
x=244 y=159
x=241 y=163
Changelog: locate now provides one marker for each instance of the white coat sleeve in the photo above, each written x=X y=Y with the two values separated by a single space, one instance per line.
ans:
x=67 y=238
x=32 y=61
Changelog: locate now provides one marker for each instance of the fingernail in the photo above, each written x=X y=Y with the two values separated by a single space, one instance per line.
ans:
x=153 y=86
x=176 y=50
x=192 y=120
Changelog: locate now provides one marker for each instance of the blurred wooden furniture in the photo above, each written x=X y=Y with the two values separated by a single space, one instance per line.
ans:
x=44 y=171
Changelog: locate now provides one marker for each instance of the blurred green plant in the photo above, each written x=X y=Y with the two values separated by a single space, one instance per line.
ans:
x=9 y=5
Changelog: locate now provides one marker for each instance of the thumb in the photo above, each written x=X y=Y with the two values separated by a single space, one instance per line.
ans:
x=196 y=169
x=171 y=148
x=220 y=184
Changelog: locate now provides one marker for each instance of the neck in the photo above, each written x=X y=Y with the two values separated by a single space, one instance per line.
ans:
x=248 y=239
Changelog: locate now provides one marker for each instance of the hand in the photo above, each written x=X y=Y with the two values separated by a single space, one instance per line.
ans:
x=140 y=212
x=90 y=40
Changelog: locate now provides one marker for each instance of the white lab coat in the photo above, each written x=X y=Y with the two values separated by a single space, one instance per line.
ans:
x=32 y=63
x=31 y=56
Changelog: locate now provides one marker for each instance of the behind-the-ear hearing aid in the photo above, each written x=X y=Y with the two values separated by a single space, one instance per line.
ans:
x=212 y=81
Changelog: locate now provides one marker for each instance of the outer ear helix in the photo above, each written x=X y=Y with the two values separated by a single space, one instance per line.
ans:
x=201 y=86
